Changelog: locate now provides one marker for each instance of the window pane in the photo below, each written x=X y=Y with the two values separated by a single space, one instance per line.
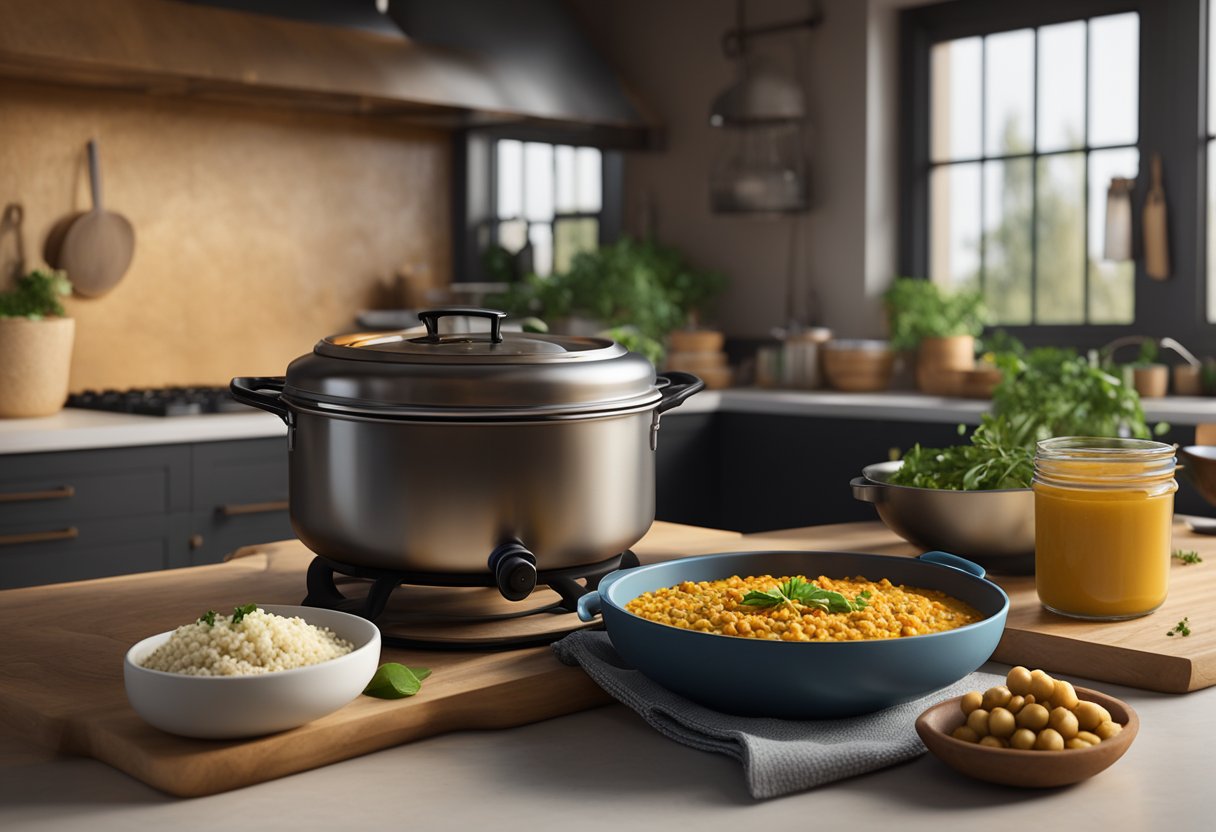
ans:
x=1061 y=94
x=1060 y=243
x=563 y=157
x=954 y=100
x=954 y=205
x=541 y=237
x=1009 y=92
x=571 y=237
x=1007 y=245
x=538 y=181
x=590 y=167
x=1211 y=79
x=510 y=165
x=1211 y=233
x=1112 y=292
x=1114 y=79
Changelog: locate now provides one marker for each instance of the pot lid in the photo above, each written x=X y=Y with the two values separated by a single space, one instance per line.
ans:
x=524 y=374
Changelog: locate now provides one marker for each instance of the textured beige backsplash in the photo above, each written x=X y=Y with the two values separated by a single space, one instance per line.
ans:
x=257 y=230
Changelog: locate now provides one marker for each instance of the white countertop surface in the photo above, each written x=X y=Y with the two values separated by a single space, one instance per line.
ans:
x=605 y=769
x=72 y=429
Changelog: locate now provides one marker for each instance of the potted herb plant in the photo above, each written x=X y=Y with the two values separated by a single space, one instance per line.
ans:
x=940 y=326
x=639 y=284
x=1150 y=378
x=36 y=343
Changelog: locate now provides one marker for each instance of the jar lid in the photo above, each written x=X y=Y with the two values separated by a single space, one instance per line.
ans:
x=518 y=374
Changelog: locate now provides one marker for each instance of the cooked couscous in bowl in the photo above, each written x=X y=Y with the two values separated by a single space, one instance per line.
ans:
x=934 y=619
x=797 y=608
x=273 y=668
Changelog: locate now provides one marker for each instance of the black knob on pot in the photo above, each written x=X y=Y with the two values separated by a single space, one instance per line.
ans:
x=514 y=570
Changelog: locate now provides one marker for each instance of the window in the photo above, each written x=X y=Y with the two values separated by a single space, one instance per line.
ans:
x=1016 y=119
x=547 y=198
x=1027 y=128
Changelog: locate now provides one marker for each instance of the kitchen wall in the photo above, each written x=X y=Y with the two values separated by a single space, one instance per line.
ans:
x=669 y=51
x=258 y=230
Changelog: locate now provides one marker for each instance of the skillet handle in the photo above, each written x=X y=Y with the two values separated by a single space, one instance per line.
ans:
x=678 y=388
x=866 y=490
x=954 y=562
x=253 y=392
x=589 y=606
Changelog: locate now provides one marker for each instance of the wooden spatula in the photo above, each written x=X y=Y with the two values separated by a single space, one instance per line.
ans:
x=1156 y=229
x=97 y=245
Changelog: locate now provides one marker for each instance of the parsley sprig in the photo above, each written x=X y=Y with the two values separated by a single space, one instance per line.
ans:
x=238 y=613
x=1187 y=557
x=798 y=592
x=1182 y=628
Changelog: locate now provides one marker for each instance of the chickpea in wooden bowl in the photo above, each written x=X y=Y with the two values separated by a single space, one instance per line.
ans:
x=1034 y=731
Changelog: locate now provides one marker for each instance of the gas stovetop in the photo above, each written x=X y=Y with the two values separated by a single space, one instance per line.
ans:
x=160 y=401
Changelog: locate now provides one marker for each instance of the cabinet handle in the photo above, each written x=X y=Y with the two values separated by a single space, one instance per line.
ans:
x=237 y=509
x=70 y=533
x=61 y=493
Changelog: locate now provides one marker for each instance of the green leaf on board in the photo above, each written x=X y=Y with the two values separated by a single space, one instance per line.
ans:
x=396 y=681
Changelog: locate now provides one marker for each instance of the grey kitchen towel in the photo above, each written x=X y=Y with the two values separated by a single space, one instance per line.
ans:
x=779 y=756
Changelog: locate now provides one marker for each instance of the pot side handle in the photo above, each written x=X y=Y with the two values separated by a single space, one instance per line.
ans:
x=589 y=606
x=251 y=390
x=678 y=388
x=954 y=562
x=867 y=491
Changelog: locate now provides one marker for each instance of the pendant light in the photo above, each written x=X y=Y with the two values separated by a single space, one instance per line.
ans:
x=762 y=166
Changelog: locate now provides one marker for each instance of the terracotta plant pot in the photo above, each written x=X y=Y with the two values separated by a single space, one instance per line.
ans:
x=1151 y=381
x=1187 y=380
x=36 y=365
x=695 y=340
x=941 y=364
x=980 y=382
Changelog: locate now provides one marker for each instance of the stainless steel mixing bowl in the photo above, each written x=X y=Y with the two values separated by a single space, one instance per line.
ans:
x=993 y=528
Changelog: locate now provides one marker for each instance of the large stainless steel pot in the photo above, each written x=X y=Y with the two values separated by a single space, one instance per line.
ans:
x=443 y=453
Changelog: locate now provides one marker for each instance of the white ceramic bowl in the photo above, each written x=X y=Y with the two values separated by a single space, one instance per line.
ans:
x=231 y=707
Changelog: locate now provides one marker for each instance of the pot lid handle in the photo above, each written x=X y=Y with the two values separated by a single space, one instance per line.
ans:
x=430 y=318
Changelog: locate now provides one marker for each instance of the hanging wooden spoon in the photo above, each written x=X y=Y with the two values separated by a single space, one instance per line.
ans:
x=1156 y=227
x=97 y=246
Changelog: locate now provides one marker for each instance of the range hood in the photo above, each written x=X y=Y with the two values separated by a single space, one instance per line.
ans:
x=455 y=63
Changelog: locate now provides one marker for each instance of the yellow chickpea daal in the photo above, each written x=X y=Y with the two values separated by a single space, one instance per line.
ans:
x=889 y=611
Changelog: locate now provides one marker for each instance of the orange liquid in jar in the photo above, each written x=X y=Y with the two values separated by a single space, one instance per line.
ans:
x=1102 y=553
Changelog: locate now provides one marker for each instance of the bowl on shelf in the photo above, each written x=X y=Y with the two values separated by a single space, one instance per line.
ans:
x=858 y=366
x=233 y=707
x=1026 y=769
x=993 y=528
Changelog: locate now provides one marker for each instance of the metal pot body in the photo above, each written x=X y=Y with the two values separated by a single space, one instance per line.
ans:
x=439 y=496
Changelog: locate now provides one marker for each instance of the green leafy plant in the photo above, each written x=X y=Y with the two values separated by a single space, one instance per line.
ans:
x=798 y=592
x=1148 y=353
x=1043 y=393
x=630 y=282
x=36 y=295
x=919 y=309
x=396 y=681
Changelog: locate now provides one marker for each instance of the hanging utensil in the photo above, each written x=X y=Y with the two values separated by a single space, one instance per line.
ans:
x=14 y=215
x=95 y=247
x=1156 y=237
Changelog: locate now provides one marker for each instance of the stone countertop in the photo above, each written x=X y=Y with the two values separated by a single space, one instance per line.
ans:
x=73 y=429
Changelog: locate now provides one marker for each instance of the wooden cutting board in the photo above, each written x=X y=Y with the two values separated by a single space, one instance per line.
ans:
x=1137 y=653
x=62 y=673
x=62 y=680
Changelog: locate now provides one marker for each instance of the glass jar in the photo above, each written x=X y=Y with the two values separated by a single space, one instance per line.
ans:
x=1103 y=514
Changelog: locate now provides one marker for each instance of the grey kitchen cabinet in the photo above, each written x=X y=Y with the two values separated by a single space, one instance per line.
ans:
x=72 y=515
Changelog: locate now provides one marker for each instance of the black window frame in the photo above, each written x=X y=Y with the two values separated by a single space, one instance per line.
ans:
x=1172 y=121
x=475 y=198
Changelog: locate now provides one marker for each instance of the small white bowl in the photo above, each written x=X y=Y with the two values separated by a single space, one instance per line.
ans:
x=232 y=707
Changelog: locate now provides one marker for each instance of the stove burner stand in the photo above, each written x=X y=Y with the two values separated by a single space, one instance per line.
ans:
x=505 y=572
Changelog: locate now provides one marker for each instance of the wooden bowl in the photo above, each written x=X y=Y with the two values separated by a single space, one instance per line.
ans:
x=858 y=366
x=1026 y=769
x=1199 y=466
